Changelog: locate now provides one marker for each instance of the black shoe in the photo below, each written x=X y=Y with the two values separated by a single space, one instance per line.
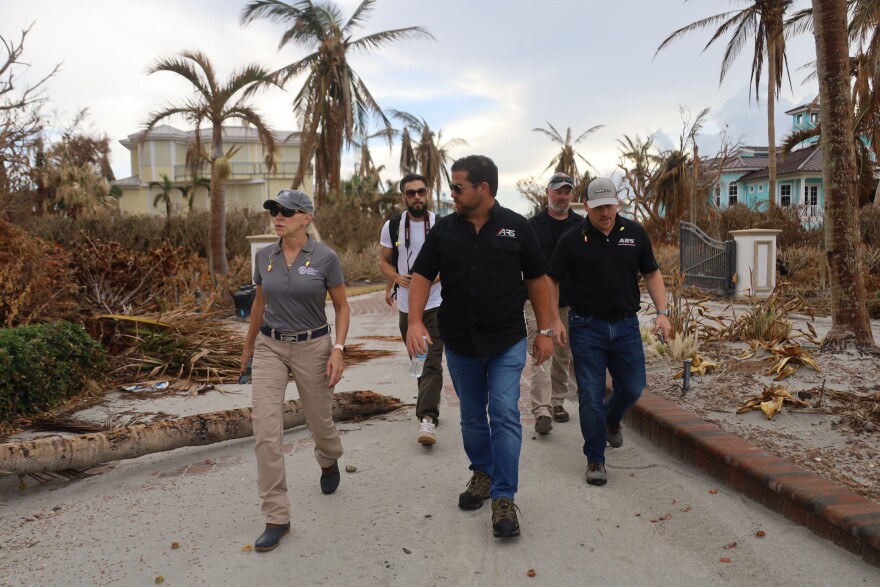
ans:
x=504 y=522
x=559 y=414
x=270 y=538
x=543 y=424
x=330 y=478
x=476 y=493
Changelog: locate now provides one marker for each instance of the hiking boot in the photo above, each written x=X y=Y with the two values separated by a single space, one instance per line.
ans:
x=543 y=424
x=559 y=414
x=427 y=432
x=504 y=522
x=615 y=436
x=477 y=491
x=596 y=474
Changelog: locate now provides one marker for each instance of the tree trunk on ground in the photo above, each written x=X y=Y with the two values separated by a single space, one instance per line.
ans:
x=89 y=450
x=849 y=313
x=217 y=222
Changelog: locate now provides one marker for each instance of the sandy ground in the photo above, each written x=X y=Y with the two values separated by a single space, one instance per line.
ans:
x=829 y=437
x=394 y=520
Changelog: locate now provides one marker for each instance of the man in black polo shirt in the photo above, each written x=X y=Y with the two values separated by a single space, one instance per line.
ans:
x=603 y=260
x=488 y=259
x=549 y=225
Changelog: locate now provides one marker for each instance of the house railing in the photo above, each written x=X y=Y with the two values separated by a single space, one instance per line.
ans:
x=242 y=169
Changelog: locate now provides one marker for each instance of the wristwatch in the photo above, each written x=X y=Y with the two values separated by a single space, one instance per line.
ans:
x=546 y=332
x=341 y=347
x=663 y=312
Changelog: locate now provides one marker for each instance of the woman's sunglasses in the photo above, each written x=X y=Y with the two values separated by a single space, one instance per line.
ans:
x=286 y=212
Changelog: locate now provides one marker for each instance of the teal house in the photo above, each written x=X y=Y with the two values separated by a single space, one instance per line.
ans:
x=745 y=173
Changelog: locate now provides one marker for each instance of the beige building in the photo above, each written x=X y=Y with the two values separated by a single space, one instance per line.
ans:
x=164 y=152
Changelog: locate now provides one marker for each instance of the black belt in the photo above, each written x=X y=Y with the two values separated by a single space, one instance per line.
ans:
x=607 y=317
x=295 y=336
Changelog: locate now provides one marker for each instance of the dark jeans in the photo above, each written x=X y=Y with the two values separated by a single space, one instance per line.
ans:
x=595 y=345
x=431 y=381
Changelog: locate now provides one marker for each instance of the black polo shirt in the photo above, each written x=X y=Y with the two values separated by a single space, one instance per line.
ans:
x=482 y=279
x=604 y=270
x=549 y=230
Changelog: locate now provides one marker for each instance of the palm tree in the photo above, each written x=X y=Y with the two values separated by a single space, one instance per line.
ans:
x=430 y=154
x=189 y=191
x=764 y=22
x=638 y=161
x=864 y=35
x=333 y=103
x=215 y=103
x=850 y=319
x=566 y=159
x=165 y=188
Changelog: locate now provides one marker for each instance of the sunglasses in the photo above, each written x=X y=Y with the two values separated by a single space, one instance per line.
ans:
x=457 y=188
x=286 y=212
x=412 y=193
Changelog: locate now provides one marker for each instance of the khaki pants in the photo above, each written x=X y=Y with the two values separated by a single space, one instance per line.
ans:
x=431 y=381
x=542 y=396
x=273 y=362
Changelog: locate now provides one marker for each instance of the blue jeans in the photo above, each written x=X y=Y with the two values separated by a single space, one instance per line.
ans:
x=492 y=444
x=595 y=345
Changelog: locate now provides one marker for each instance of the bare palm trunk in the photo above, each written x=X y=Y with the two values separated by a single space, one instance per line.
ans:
x=217 y=228
x=89 y=450
x=849 y=314
x=772 y=48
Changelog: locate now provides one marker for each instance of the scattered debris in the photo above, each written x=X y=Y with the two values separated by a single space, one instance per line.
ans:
x=770 y=401
x=699 y=366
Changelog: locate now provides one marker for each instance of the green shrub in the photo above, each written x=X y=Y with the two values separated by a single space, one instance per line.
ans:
x=42 y=365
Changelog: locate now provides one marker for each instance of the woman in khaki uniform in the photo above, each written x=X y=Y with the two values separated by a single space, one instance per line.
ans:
x=289 y=335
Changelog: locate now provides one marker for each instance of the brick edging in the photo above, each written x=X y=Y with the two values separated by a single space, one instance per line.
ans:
x=827 y=509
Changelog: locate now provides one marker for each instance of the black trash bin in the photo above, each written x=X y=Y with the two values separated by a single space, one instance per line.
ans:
x=244 y=299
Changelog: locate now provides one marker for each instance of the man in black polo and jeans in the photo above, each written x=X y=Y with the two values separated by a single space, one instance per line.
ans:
x=603 y=260
x=488 y=259
x=549 y=225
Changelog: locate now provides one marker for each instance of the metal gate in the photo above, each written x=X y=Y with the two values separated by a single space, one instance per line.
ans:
x=706 y=263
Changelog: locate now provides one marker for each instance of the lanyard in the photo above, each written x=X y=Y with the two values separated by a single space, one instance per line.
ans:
x=427 y=226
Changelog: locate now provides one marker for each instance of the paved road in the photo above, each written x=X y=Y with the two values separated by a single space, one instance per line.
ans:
x=394 y=521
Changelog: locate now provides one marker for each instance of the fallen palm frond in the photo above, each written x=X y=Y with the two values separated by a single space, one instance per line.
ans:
x=699 y=366
x=771 y=401
x=190 y=347
x=789 y=358
x=88 y=450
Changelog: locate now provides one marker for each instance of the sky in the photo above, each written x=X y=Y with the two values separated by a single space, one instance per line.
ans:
x=496 y=70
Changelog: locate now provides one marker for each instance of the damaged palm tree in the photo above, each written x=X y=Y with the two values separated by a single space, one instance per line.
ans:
x=89 y=450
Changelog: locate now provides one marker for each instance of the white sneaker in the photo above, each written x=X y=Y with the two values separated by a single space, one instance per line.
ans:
x=426 y=432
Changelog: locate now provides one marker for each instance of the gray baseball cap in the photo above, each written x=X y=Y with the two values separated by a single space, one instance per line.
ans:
x=560 y=179
x=292 y=200
x=601 y=192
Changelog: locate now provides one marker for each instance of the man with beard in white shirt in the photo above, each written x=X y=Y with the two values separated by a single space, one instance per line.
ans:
x=401 y=240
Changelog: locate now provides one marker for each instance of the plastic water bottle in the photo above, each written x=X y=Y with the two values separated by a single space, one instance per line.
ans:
x=417 y=365
x=245 y=377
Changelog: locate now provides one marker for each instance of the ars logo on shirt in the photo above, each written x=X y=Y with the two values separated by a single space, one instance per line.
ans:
x=508 y=232
x=627 y=242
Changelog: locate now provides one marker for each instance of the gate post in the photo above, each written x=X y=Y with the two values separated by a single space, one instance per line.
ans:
x=755 y=261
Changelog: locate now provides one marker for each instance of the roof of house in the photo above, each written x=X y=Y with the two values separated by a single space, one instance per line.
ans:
x=814 y=104
x=230 y=133
x=807 y=159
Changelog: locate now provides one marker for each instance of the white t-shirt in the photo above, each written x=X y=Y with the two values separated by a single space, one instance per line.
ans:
x=407 y=257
